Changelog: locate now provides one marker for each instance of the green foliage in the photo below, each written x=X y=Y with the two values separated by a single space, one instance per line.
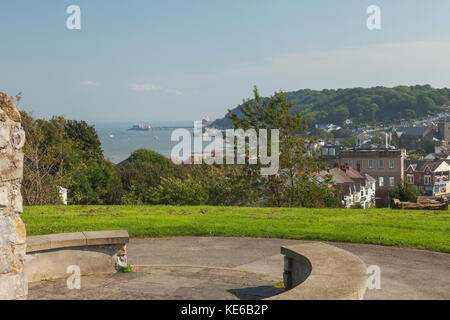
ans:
x=404 y=191
x=320 y=133
x=363 y=105
x=60 y=152
x=85 y=138
x=144 y=170
x=46 y=157
x=314 y=194
x=128 y=268
x=298 y=161
x=225 y=184
x=96 y=184
x=175 y=191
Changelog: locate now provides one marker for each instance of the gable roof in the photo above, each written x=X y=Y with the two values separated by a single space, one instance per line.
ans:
x=339 y=176
x=421 y=165
x=413 y=131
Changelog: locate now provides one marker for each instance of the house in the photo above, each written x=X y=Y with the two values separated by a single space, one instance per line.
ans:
x=355 y=188
x=414 y=138
x=436 y=156
x=328 y=127
x=385 y=165
x=329 y=148
x=444 y=132
x=430 y=177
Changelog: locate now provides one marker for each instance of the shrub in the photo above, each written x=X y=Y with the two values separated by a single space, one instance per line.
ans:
x=405 y=192
x=174 y=191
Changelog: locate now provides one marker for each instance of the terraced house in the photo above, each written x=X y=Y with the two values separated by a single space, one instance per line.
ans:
x=430 y=177
x=357 y=190
x=385 y=165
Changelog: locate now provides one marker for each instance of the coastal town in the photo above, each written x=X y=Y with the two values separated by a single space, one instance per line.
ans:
x=200 y=151
x=365 y=171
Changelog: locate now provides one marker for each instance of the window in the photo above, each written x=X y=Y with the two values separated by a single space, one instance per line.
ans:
x=391 y=164
x=359 y=164
x=410 y=178
x=381 y=182
x=391 y=181
x=370 y=164
x=427 y=179
x=380 y=164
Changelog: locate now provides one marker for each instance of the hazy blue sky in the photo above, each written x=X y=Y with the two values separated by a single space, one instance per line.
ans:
x=142 y=60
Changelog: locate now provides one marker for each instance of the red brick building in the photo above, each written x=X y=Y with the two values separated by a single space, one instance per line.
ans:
x=426 y=173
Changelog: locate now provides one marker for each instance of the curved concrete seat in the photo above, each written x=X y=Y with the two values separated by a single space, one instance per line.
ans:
x=317 y=271
x=49 y=256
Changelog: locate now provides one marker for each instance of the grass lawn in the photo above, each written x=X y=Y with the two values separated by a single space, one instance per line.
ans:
x=416 y=229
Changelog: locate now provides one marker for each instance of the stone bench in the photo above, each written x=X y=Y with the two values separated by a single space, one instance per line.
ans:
x=95 y=252
x=317 y=271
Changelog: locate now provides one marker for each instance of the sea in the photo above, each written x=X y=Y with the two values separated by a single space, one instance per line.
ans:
x=118 y=142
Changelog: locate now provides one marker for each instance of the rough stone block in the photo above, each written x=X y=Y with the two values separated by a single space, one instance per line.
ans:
x=4 y=196
x=12 y=231
x=5 y=267
x=18 y=138
x=4 y=136
x=11 y=166
x=17 y=200
x=13 y=286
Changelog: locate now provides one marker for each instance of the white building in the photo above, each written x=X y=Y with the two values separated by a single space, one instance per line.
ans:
x=356 y=188
x=63 y=195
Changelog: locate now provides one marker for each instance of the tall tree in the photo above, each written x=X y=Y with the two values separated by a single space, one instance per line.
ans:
x=299 y=157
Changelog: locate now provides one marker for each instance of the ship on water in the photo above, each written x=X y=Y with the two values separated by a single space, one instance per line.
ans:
x=141 y=127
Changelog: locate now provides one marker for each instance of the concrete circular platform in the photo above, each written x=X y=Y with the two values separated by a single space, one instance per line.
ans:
x=405 y=273
x=155 y=283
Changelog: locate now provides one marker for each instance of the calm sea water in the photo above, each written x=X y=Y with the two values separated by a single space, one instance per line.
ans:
x=118 y=142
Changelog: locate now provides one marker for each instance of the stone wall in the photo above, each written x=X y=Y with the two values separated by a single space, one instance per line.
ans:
x=13 y=283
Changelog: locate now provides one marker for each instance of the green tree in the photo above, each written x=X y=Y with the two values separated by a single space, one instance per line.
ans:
x=143 y=170
x=224 y=184
x=96 y=184
x=299 y=161
x=175 y=191
x=65 y=153
x=85 y=137
x=404 y=191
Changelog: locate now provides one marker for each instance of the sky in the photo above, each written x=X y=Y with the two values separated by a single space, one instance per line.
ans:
x=177 y=60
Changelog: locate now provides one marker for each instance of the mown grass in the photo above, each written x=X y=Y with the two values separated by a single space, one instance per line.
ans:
x=416 y=229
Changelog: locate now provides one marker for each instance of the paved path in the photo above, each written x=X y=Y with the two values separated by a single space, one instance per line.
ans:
x=405 y=273
x=244 y=268
x=160 y=283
